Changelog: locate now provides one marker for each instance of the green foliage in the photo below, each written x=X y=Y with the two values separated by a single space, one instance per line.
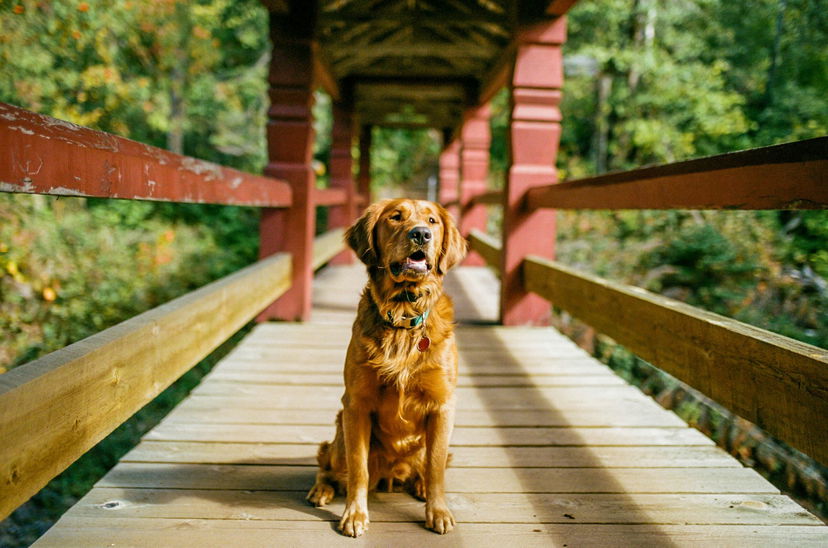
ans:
x=68 y=269
x=707 y=269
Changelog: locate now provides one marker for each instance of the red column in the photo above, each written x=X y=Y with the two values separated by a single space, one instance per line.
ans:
x=474 y=173
x=534 y=134
x=290 y=146
x=364 y=177
x=450 y=177
x=341 y=174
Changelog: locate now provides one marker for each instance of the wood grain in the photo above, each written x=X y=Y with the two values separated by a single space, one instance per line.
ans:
x=788 y=176
x=776 y=382
x=43 y=155
x=55 y=408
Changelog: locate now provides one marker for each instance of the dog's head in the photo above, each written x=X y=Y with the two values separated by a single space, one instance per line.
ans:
x=410 y=240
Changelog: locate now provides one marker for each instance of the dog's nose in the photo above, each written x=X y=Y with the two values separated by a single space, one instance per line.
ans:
x=420 y=234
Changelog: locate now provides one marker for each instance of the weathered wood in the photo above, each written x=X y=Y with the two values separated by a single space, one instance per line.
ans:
x=55 y=408
x=776 y=382
x=290 y=138
x=449 y=190
x=329 y=196
x=789 y=176
x=533 y=137
x=488 y=247
x=493 y=197
x=678 y=456
x=475 y=138
x=460 y=480
x=326 y=246
x=491 y=508
x=84 y=532
x=463 y=436
x=43 y=155
x=222 y=410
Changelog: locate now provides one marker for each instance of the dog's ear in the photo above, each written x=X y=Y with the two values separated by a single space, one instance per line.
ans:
x=360 y=236
x=455 y=245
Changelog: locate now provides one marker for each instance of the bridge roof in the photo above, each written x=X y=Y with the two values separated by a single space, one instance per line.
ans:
x=418 y=63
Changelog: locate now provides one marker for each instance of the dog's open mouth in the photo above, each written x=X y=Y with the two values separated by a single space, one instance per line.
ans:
x=416 y=262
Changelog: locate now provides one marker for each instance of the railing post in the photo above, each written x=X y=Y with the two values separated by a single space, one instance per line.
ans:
x=364 y=177
x=534 y=133
x=341 y=174
x=290 y=146
x=449 y=192
x=474 y=173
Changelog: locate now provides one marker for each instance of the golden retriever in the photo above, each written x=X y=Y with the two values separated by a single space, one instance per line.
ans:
x=400 y=369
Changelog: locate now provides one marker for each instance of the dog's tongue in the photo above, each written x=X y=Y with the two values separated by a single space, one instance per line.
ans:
x=417 y=265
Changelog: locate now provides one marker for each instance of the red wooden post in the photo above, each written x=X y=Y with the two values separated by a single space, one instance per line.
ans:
x=364 y=177
x=341 y=174
x=534 y=134
x=474 y=173
x=290 y=146
x=449 y=192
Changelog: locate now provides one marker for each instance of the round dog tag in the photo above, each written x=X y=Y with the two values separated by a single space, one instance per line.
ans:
x=423 y=345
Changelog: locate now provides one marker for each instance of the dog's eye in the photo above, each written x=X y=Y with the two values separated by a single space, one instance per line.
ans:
x=432 y=220
x=396 y=216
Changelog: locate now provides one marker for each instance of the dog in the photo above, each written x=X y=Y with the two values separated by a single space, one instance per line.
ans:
x=400 y=369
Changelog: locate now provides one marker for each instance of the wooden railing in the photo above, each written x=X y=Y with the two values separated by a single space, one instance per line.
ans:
x=775 y=382
x=54 y=409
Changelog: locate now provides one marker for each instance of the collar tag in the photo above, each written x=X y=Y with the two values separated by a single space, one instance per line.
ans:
x=423 y=345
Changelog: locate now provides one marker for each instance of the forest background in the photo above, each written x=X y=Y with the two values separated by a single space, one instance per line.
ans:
x=647 y=81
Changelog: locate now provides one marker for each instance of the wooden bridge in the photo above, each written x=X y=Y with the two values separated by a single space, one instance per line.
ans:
x=551 y=448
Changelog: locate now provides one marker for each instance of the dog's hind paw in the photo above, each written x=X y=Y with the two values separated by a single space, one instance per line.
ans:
x=321 y=494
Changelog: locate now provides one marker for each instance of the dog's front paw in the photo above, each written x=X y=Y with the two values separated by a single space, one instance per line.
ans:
x=439 y=518
x=354 y=521
x=321 y=494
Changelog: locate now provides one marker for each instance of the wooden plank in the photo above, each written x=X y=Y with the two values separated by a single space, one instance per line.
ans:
x=55 y=408
x=244 y=377
x=788 y=176
x=462 y=436
x=325 y=247
x=604 y=413
x=43 y=155
x=491 y=197
x=85 y=532
x=458 y=480
x=679 y=456
x=468 y=507
x=488 y=247
x=773 y=381
x=490 y=398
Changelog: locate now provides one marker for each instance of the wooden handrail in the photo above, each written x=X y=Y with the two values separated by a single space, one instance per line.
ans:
x=776 y=382
x=43 y=155
x=55 y=408
x=327 y=246
x=488 y=248
x=329 y=196
x=789 y=176
x=491 y=197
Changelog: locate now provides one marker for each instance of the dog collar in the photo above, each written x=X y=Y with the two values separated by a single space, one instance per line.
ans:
x=408 y=323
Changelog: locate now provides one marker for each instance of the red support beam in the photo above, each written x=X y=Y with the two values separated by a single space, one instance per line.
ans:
x=449 y=193
x=364 y=177
x=341 y=174
x=43 y=155
x=534 y=135
x=290 y=146
x=474 y=173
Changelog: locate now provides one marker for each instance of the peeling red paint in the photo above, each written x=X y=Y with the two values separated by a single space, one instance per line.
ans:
x=44 y=155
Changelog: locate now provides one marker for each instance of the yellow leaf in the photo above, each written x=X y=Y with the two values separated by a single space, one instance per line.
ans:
x=49 y=294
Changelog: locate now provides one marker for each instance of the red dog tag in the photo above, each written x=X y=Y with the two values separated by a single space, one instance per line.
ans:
x=423 y=345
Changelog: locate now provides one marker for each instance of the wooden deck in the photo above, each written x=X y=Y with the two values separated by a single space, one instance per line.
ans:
x=550 y=449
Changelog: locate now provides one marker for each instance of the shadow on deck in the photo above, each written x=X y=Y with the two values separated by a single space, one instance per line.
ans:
x=550 y=448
